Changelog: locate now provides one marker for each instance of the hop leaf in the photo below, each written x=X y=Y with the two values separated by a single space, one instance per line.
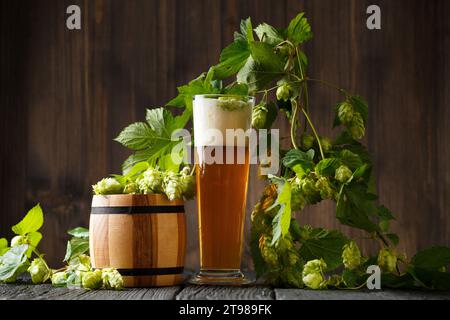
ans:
x=342 y=174
x=111 y=279
x=351 y=256
x=39 y=271
x=92 y=280
x=107 y=186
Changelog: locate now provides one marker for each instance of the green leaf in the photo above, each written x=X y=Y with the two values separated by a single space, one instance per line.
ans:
x=384 y=213
x=79 y=232
x=246 y=31
x=432 y=258
x=354 y=207
x=13 y=263
x=33 y=240
x=75 y=247
x=162 y=124
x=327 y=167
x=350 y=159
x=326 y=244
x=33 y=221
x=136 y=136
x=300 y=162
x=282 y=219
x=299 y=30
x=136 y=170
x=431 y=279
x=232 y=59
x=393 y=238
x=268 y=34
x=239 y=89
x=390 y=280
x=265 y=55
x=351 y=278
x=3 y=246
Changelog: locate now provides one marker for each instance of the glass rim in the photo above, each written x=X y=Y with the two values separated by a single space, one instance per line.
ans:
x=218 y=95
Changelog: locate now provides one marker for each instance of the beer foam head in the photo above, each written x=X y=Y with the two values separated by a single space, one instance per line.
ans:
x=221 y=120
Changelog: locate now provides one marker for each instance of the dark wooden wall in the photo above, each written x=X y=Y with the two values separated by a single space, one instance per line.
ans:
x=66 y=94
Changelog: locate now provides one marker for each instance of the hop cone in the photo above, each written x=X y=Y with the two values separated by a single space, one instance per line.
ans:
x=259 y=116
x=342 y=174
x=284 y=92
x=107 y=186
x=351 y=256
x=356 y=127
x=324 y=187
x=39 y=271
x=312 y=274
x=306 y=141
x=92 y=280
x=387 y=260
x=112 y=279
x=345 y=113
x=173 y=187
x=151 y=182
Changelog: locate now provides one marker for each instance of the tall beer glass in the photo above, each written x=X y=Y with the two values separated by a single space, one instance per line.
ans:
x=222 y=168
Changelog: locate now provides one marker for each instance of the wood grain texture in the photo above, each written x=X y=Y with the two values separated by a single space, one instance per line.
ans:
x=66 y=94
x=138 y=241
x=225 y=293
x=298 y=294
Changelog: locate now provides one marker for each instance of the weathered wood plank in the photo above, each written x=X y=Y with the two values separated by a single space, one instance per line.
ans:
x=301 y=294
x=225 y=293
x=48 y=292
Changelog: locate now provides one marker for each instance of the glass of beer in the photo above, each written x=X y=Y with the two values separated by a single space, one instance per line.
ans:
x=221 y=124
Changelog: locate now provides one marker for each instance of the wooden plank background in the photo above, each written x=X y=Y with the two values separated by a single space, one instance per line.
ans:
x=66 y=94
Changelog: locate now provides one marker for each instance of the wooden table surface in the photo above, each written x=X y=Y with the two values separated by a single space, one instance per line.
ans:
x=27 y=291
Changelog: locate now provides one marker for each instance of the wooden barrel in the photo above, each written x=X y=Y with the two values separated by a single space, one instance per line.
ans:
x=143 y=236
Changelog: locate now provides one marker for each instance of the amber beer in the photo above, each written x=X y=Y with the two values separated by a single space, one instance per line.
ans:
x=222 y=169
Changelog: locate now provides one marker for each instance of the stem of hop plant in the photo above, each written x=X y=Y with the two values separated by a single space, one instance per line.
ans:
x=293 y=124
x=314 y=132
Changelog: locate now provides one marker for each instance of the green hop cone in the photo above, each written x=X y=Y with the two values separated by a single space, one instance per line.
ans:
x=267 y=250
x=18 y=240
x=342 y=174
x=188 y=186
x=185 y=171
x=107 y=186
x=356 y=127
x=306 y=141
x=131 y=188
x=92 y=280
x=387 y=260
x=312 y=275
x=325 y=143
x=284 y=92
x=325 y=189
x=173 y=187
x=309 y=190
x=345 y=112
x=112 y=279
x=59 y=279
x=259 y=116
x=298 y=201
x=151 y=181
x=39 y=271
x=351 y=256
